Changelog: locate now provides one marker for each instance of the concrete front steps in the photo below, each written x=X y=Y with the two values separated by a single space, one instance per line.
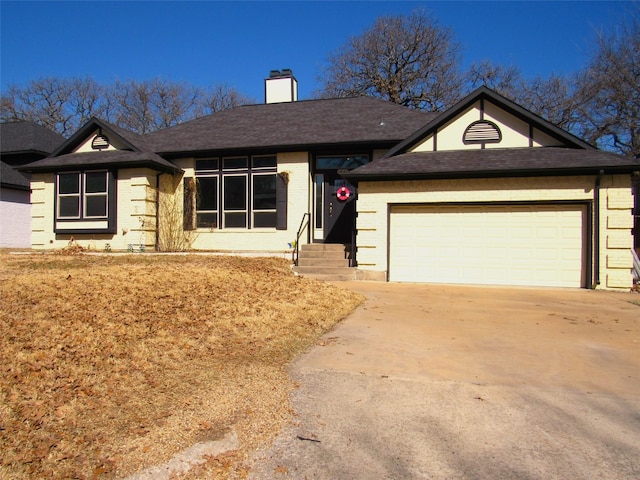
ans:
x=325 y=261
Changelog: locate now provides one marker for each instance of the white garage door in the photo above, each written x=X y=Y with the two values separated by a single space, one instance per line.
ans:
x=535 y=245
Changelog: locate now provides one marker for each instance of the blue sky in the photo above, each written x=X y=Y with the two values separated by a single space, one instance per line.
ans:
x=238 y=43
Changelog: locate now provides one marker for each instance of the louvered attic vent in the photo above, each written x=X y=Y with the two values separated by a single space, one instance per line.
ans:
x=100 y=142
x=482 y=131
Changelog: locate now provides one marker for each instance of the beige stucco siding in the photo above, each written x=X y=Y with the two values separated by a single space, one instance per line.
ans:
x=295 y=165
x=136 y=213
x=137 y=191
x=41 y=209
x=85 y=146
x=137 y=197
x=616 y=201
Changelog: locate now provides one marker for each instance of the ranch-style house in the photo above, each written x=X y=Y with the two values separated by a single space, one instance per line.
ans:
x=483 y=193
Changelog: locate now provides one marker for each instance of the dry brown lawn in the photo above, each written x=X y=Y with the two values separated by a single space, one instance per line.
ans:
x=111 y=364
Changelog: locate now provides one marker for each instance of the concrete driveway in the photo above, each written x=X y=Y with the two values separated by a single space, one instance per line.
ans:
x=439 y=382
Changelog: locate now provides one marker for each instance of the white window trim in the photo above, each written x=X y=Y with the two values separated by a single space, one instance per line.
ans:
x=68 y=195
x=86 y=194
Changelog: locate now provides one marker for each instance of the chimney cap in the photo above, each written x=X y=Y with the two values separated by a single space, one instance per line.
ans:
x=284 y=73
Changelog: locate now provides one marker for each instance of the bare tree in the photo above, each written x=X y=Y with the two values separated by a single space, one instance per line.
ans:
x=409 y=60
x=223 y=97
x=45 y=101
x=87 y=99
x=60 y=104
x=147 y=106
x=63 y=105
x=552 y=98
x=506 y=80
x=609 y=90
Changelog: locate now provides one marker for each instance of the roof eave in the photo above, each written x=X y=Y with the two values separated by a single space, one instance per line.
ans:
x=546 y=172
x=23 y=152
x=13 y=186
x=306 y=147
x=106 y=165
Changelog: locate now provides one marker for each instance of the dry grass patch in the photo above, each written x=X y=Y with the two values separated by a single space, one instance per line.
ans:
x=110 y=364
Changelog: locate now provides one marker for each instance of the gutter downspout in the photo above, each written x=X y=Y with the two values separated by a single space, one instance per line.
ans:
x=596 y=228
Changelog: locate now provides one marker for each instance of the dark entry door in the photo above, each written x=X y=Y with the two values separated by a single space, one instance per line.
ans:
x=335 y=212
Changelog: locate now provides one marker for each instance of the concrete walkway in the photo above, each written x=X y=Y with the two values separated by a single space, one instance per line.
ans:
x=444 y=382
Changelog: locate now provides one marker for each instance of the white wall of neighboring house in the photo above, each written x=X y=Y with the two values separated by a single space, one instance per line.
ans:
x=15 y=218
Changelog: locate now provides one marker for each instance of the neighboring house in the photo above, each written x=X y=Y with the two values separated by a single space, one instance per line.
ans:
x=483 y=193
x=20 y=143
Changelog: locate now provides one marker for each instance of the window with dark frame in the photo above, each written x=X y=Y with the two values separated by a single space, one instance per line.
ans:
x=82 y=195
x=236 y=192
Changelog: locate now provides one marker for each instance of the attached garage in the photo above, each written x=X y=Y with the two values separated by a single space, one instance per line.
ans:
x=505 y=244
x=488 y=193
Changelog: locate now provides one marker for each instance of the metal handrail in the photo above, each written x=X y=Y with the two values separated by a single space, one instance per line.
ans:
x=296 y=248
x=353 y=262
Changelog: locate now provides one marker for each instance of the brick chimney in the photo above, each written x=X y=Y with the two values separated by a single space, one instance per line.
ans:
x=281 y=86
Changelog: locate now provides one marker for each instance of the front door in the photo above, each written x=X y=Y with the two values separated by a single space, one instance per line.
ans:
x=334 y=198
x=334 y=209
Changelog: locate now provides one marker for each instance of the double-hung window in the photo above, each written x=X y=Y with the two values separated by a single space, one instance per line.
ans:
x=84 y=201
x=69 y=195
x=236 y=192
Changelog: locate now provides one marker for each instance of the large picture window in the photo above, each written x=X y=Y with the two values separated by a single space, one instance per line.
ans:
x=236 y=192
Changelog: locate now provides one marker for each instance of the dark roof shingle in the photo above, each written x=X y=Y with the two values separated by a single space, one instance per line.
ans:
x=494 y=162
x=103 y=159
x=9 y=177
x=304 y=123
x=19 y=137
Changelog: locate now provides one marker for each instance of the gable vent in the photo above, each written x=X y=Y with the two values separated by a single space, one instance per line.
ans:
x=100 y=142
x=482 y=131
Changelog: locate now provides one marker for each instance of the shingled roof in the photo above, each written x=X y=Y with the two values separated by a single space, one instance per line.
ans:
x=481 y=94
x=136 y=153
x=104 y=159
x=27 y=137
x=495 y=162
x=358 y=120
x=11 y=178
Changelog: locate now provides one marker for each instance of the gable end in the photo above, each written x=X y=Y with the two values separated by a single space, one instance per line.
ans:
x=481 y=100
